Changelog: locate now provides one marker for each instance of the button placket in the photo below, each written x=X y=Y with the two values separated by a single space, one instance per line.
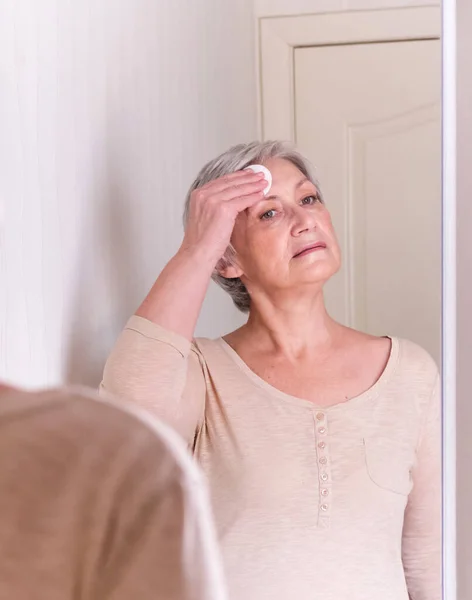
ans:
x=324 y=469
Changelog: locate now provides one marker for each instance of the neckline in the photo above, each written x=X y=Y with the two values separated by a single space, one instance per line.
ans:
x=369 y=394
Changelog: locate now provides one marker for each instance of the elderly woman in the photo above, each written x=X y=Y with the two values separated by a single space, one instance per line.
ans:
x=321 y=443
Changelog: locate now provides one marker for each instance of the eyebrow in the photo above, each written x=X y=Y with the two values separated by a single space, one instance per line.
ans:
x=299 y=184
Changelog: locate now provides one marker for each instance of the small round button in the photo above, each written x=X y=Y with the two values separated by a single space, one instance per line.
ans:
x=324 y=507
x=322 y=445
x=320 y=416
x=324 y=477
x=323 y=460
x=324 y=492
x=322 y=430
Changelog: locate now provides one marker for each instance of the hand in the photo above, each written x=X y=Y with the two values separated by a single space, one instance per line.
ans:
x=213 y=210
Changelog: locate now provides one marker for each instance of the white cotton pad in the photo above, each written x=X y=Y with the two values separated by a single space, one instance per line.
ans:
x=267 y=175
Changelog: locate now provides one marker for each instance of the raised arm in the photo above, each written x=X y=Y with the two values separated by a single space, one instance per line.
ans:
x=152 y=363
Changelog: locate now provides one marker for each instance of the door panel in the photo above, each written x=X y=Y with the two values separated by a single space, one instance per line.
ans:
x=368 y=117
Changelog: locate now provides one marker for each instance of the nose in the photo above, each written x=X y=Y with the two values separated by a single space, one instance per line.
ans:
x=303 y=220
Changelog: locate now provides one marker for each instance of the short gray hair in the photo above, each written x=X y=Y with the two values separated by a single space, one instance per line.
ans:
x=235 y=159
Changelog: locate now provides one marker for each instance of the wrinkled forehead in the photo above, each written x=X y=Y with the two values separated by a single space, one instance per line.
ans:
x=287 y=176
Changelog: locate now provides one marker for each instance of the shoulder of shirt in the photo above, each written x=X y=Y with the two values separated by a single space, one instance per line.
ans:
x=415 y=359
x=202 y=344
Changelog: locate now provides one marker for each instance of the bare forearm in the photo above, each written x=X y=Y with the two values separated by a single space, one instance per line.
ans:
x=175 y=300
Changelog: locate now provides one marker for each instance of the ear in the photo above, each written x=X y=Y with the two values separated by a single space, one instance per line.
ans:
x=227 y=269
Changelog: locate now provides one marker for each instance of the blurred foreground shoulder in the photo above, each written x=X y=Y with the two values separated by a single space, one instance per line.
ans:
x=109 y=499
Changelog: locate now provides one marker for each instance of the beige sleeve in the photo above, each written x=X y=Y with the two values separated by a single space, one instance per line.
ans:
x=422 y=526
x=159 y=371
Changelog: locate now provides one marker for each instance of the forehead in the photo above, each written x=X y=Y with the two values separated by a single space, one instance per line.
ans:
x=283 y=172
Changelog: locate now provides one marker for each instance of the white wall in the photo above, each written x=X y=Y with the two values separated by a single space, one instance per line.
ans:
x=464 y=298
x=107 y=111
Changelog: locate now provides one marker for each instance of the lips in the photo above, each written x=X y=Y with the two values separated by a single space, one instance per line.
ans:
x=310 y=248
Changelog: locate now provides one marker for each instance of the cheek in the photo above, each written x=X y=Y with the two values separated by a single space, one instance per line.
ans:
x=243 y=242
x=327 y=224
x=255 y=243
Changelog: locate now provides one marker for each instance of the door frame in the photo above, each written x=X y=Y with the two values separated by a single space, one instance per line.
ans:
x=279 y=37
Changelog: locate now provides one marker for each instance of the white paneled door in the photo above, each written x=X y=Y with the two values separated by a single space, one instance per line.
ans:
x=368 y=116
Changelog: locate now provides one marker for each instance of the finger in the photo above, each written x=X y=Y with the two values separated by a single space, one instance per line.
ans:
x=244 y=202
x=232 y=179
x=238 y=190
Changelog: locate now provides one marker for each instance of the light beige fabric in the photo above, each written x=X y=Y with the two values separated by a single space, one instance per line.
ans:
x=97 y=503
x=340 y=503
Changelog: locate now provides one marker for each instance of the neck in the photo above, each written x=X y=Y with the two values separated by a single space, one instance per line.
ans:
x=292 y=325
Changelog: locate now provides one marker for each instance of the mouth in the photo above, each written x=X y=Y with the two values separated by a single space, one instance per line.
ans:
x=310 y=248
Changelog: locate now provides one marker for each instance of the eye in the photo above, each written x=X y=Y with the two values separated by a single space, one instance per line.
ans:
x=270 y=214
x=311 y=199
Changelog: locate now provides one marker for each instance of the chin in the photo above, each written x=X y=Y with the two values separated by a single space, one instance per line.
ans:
x=320 y=276
x=320 y=271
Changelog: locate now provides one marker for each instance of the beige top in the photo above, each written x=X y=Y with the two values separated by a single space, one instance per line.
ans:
x=331 y=504
x=98 y=503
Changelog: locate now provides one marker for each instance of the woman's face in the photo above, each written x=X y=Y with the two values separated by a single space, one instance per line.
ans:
x=287 y=238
